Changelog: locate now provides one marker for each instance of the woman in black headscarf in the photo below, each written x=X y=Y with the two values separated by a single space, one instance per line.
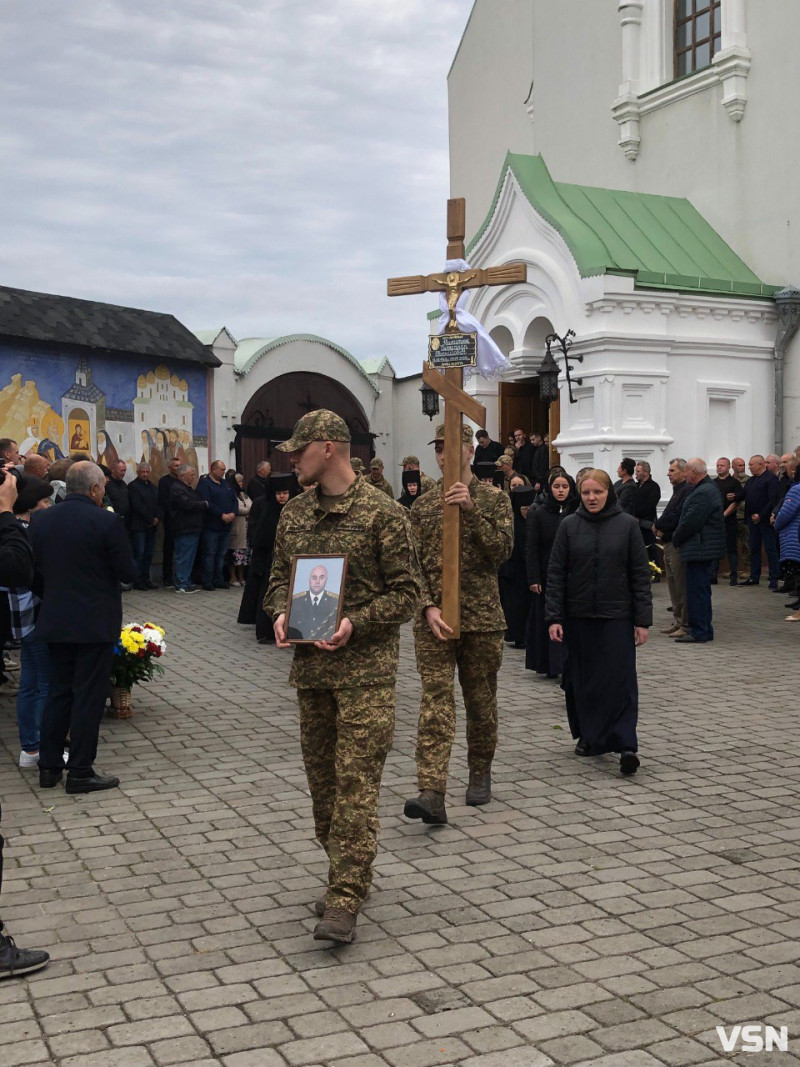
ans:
x=560 y=498
x=600 y=605
x=264 y=516
x=412 y=488
x=514 y=593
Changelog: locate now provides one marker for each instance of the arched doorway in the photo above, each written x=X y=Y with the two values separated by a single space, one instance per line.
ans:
x=272 y=411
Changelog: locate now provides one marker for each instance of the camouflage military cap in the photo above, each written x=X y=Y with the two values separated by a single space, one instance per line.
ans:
x=504 y=461
x=376 y=464
x=321 y=425
x=409 y=461
x=357 y=464
x=466 y=434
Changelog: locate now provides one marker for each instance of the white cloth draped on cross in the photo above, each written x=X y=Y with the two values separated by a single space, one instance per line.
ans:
x=490 y=360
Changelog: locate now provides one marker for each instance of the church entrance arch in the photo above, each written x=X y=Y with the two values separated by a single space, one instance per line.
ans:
x=272 y=411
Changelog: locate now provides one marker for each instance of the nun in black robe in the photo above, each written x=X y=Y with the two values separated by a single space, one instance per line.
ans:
x=412 y=488
x=261 y=531
x=541 y=526
x=599 y=599
x=515 y=596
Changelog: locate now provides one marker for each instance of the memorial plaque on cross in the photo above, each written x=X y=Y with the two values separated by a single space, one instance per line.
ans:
x=449 y=384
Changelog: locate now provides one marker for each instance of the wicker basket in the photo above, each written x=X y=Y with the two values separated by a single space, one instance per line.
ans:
x=120 y=703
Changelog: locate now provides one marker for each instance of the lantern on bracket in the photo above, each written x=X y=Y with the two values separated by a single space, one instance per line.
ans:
x=430 y=401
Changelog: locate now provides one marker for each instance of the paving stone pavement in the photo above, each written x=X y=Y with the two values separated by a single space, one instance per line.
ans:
x=581 y=918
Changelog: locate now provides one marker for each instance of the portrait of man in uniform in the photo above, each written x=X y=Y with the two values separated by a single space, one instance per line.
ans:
x=313 y=613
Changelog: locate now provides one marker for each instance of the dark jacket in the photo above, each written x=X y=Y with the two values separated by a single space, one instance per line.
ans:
x=701 y=532
x=488 y=453
x=144 y=506
x=222 y=500
x=540 y=465
x=626 y=495
x=117 y=493
x=258 y=486
x=731 y=484
x=671 y=515
x=785 y=483
x=165 y=486
x=599 y=569
x=760 y=495
x=648 y=495
x=541 y=527
x=82 y=554
x=523 y=460
x=16 y=564
x=187 y=509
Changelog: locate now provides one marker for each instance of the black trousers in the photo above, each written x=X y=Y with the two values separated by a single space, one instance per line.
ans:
x=166 y=554
x=79 y=684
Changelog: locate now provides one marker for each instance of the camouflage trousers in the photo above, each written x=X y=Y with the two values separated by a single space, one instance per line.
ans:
x=743 y=539
x=345 y=735
x=478 y=657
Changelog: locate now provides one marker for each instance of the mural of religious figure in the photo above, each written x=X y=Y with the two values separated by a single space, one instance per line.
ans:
x=106 y=453
x=79 y=443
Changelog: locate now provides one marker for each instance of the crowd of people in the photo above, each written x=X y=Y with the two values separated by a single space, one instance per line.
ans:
x=558 y=566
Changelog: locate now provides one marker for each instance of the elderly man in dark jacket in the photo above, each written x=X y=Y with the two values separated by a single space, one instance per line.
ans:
x=82 y=555
x=187 y=511
x=760 y=497
x=701 y=538
x=143 y=519
x=673 y=564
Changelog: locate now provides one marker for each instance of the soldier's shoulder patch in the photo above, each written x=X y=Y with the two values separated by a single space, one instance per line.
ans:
x=299 y=596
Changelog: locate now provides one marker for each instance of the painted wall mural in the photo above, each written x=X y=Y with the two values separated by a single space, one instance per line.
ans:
x=116 y=408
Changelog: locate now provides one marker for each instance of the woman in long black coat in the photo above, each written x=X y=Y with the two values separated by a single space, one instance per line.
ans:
x=541 y=526
x=515 y=596
x=264 y=516
x=600 y=605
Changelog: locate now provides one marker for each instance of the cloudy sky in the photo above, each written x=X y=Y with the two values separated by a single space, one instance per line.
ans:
x=259 y=164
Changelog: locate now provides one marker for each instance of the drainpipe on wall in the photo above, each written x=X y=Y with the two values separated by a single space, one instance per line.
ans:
x=788 y=306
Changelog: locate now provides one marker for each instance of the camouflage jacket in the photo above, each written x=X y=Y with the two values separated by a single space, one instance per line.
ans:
x=427 y=483
x=381 y=588
x=383 y=485
x=487 y=534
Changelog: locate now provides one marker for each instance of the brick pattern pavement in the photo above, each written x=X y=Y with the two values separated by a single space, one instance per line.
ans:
x=581 y=918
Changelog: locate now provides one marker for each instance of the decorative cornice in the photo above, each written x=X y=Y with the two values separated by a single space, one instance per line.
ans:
x=685 y=305
x=733 y=66
x=626 y=111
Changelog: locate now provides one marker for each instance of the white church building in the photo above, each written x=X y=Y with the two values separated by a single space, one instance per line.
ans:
x=634 y=156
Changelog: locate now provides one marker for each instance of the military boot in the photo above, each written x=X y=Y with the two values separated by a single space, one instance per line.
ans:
x=479 y=790
x=336 y=925
x=428 y=806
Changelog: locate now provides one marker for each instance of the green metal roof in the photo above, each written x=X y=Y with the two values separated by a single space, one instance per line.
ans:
x=663 y=242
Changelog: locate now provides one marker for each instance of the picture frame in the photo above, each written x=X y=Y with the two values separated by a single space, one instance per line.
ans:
x=319 y=577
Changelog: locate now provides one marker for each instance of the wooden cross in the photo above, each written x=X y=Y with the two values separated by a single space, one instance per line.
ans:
x=450 y=386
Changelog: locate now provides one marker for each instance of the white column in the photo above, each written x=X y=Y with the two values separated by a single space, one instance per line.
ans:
x=732 y=62
x=625 y=108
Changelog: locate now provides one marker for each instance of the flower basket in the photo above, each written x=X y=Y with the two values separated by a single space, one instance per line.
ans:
x=136 y=653
x=120 y=703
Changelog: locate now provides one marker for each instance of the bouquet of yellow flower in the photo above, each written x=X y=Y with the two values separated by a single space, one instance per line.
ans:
x=135 y=654
x=655 y=571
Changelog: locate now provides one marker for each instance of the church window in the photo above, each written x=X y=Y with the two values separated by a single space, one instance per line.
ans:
x=183 y=420
x=698 y=32
x=163 y=420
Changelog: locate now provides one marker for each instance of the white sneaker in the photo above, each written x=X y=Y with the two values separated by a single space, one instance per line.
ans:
x=28 y=759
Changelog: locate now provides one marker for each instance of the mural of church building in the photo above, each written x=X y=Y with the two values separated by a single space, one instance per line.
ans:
x=118 y=383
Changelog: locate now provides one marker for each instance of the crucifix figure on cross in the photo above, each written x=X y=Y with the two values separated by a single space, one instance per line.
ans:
x=450 y=386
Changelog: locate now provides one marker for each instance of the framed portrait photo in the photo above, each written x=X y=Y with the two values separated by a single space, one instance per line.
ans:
x=314 y=608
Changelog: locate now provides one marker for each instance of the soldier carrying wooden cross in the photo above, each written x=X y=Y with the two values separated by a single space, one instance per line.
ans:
x=461 y=621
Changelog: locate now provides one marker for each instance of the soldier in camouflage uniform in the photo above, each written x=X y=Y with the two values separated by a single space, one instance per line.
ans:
x=411 y=463
x=486 y=540
x=345 y=685
x=357 y=465
x=377 y=480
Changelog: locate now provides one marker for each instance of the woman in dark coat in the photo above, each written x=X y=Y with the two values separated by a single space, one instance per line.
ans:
x=264 y=516
x=600 y=605
x=541 y=526
x=515 y=596
x=412 y=488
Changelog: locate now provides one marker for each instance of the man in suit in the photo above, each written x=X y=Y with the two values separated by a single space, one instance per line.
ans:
x=165 y=486
x=313 y=614
x=82 y=556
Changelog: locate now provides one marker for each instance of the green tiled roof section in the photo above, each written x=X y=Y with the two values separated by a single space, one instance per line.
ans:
x=663 y=242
